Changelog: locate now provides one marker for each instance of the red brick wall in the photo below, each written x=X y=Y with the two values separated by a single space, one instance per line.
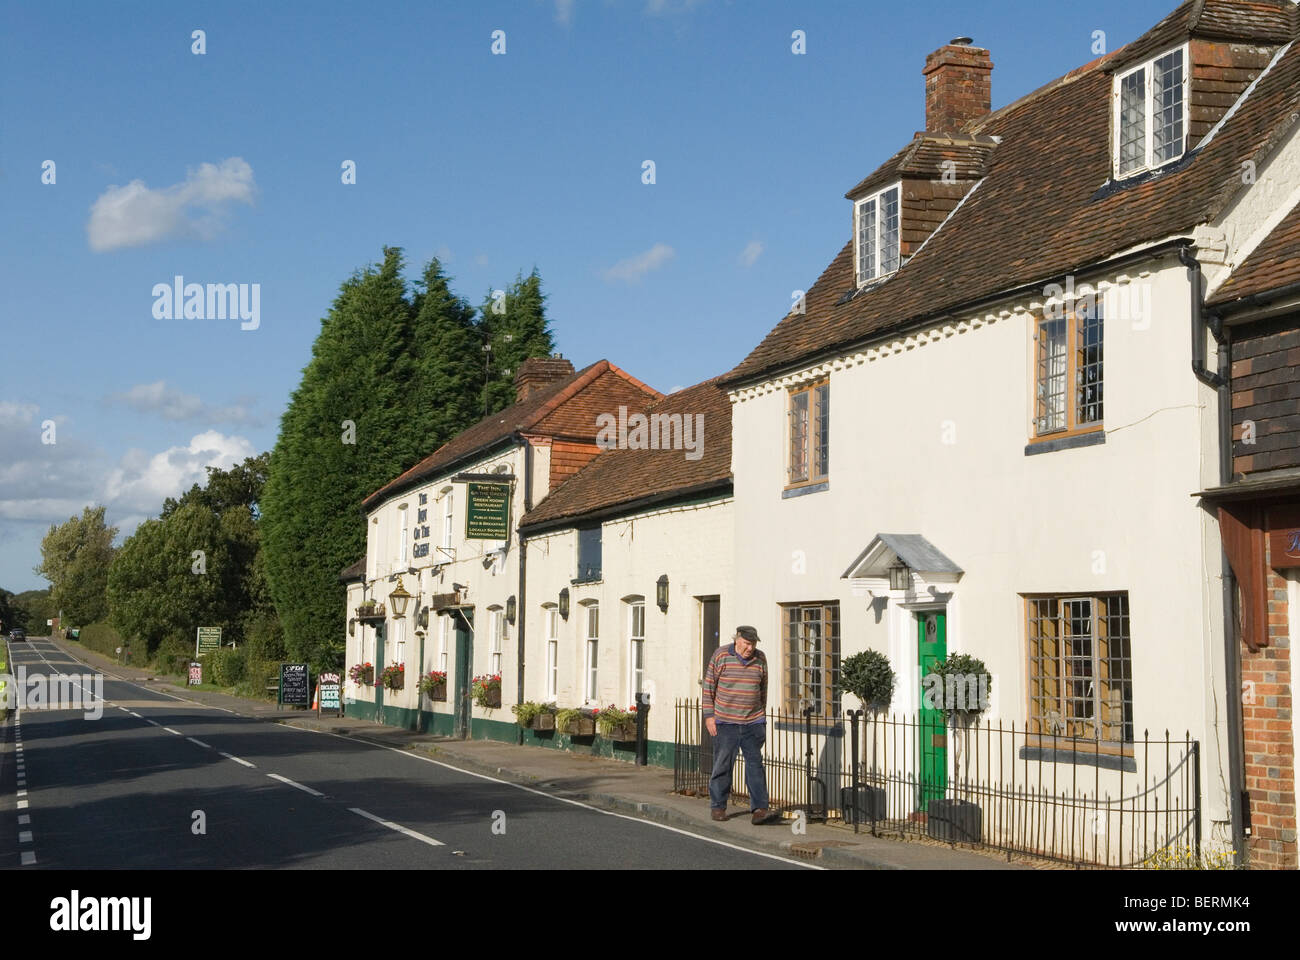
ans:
x=567 y=458
x=1270 y=750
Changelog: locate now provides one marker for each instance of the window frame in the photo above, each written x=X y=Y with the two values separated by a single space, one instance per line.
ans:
x=591 y=654
x=497 y=636
x=1148 y=134
x=585 y=535
x=1074 y=316
x=551 y=619
x=404 y=525
x=879 y=240
x=633 y=687
x=448 y=518
x=1036 y=723
x=831 y=701
x=816 y=435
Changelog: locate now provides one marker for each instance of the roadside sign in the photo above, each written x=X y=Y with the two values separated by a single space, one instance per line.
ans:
x=294 y=688
x=209 y=639
x=331 y=688
x=487 y=511
x=196 y=673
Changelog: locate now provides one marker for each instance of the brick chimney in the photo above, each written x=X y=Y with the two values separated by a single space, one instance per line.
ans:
x=536 y=372
x=958 y=86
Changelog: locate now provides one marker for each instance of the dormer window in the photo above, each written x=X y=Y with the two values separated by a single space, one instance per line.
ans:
x=876 y=234
x=1151 y=113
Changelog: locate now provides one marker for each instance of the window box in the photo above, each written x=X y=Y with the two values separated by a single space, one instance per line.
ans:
x=434 y=685
x=575 y=723
x=486 y=690
x=371 y=611
x=544 y=721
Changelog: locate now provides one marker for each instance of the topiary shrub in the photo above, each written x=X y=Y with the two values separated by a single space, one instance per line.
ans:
x=960 y=685
x=870 y=678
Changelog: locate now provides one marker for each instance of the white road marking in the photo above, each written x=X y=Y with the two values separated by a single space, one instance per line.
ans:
x=28 y=858
x=407 y=831
x=292 y=783
x=24 y=836
x=576 y=803
x=22 y=793
x=22 y=804
x=134 y=714
x=154 y=722
x=177 y=732
x=237 y=760
x=24 y=818
x=206 y=746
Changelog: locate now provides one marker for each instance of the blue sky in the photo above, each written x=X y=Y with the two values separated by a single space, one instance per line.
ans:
x=225 y=167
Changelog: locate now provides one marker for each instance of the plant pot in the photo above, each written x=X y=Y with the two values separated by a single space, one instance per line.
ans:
x=586 y=727
x=871 y=804
x=544 y=721
x=439 y=693
x=954 y=821
x=623 y=732
x=492 y=698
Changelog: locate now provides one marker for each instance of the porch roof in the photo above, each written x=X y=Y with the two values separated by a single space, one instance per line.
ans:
x=920 y=555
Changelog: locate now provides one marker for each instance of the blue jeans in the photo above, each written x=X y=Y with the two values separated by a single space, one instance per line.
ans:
x=748 y=738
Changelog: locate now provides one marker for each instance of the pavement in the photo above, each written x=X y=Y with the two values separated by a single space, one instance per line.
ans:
x=643 y=792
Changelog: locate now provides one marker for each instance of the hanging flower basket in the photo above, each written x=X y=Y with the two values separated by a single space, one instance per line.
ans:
x=487 y=690
x=362 y=673
x=434 y=685
x=371 y=611
x=393 y=676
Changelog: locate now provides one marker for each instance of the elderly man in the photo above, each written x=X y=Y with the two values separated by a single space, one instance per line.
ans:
x=735 y=698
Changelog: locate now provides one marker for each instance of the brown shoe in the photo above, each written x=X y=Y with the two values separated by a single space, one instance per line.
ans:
x=760 y=815
x=718 y=813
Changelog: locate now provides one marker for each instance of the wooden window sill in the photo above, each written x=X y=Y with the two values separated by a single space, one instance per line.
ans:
x=1065 y=441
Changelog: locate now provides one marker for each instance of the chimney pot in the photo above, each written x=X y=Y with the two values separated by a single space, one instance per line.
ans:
x=536 y=372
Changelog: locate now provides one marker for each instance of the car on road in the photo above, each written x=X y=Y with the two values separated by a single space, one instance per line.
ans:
x=17 y=634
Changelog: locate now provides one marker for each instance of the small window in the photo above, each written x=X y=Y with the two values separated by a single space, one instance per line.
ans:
x=877 y=234
x=552 y=617
x=447 y=517
x=497 y=629
x=1151 y=113
x=403 y=521
x=589 y=549
x=1080 y=667
x=1069 y=386
x=444 y=627
x=809 y=432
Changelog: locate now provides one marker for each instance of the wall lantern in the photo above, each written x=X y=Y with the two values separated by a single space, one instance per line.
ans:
x=399 y=598
x=352 y=627
x=510 y=610
x=900 y=576
x=422 y=619
x=564 y=603
x=661 y=592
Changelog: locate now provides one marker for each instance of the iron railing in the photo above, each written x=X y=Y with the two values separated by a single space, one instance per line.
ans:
x=995 y=785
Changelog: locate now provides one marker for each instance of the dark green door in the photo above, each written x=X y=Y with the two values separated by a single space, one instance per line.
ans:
x=380 y=630
x=463 y=687
x=932 y=646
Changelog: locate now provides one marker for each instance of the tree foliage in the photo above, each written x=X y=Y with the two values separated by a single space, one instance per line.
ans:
x=75 y=558
x=392 y=377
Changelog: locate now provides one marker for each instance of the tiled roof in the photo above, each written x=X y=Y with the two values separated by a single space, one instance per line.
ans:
x=1274 y=263
x=565 y=408
x=627 y=476
x=355 y=571
x=1039 y=213
x=1252 y=21
x=925 y=157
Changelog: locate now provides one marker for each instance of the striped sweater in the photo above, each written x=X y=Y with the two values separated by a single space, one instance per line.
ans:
x=735 y=690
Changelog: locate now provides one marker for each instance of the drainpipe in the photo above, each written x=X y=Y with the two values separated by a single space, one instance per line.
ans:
x=1222 y=382
x=521 y=608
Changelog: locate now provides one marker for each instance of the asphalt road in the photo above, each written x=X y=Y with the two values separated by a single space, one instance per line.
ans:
x=130 y=789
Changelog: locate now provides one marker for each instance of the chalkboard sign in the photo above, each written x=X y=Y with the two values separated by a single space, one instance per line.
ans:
x=294 y=690
x=329 y=691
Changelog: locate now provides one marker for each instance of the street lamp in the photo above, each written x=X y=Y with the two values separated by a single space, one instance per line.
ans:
x=399 y=599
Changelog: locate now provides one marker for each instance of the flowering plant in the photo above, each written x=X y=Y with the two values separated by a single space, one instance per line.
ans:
x=363 y=673
x=486 y=688
x=393 y=676
x=431 y=680
x=611 y=718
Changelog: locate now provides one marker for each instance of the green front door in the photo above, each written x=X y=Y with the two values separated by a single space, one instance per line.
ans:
x=463 y=687
x=380 y=630
x=932 y=646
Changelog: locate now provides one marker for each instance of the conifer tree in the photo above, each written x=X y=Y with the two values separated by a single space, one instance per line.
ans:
x=516 y=328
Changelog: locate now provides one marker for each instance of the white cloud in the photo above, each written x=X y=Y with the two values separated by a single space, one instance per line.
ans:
x=143 y=481
x=135 y=215
x=634 y=268
x=751 y=253
x=171 y=404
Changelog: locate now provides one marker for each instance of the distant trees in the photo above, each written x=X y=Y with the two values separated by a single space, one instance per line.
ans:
x=392 y=377
x=75 y=558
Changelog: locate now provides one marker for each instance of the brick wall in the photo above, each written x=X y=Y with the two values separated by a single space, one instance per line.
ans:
x=926 y=204
x=568 y=457
x=1270 y=747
